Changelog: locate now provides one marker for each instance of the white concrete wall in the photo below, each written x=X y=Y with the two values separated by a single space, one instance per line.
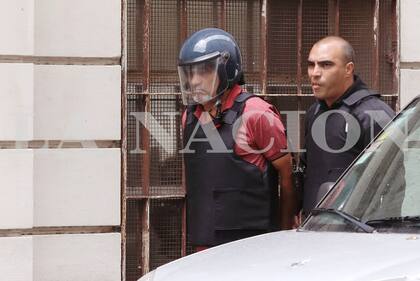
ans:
x=410 y=50
x=77 y=257
x=16 y=27
x=16 y=258
x=46 y=95
x=16 y=188
x=78 y=28
x=410 y=34
x=77 y=102
x=74 y=187
x=410 y=85
x=16 y=96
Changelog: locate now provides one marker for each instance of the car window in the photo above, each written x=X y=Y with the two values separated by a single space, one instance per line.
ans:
x=383 y=183
x=412 y=174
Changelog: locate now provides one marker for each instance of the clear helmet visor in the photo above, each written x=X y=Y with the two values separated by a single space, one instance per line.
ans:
x=203 y=81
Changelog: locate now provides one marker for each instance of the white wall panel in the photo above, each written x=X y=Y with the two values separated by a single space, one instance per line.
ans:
x=77 y=187
x=77 y=102
x=16 y=27
x=93 y=257
x=16 y=188
x=16 y=259
x=410 y=35
x=410 y=80
x=16 y=101
x=78 y=28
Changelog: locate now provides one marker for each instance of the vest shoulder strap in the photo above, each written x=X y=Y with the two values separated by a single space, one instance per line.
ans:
x=190 y=114
x=358 y=96
x=232 y=114
x=350 y=102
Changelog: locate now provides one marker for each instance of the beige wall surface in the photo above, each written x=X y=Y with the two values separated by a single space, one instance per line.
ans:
x=16 y=27
x=16 y=96
x=410 y=50
x=410 y=85
x=60 y=82
x=74 y=187
x=74 y=102
x=77 y=257
x=16 y=188
x=16 y=258
x=410 y=33
x=78 y=28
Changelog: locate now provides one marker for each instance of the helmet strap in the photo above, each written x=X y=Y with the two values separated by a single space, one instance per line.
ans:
x=218 y=106
x=217 y=119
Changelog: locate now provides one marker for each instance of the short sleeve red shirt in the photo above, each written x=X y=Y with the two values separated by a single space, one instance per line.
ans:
x=261 y=135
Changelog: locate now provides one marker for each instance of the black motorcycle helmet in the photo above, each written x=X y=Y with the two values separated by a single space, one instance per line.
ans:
x=213 y=53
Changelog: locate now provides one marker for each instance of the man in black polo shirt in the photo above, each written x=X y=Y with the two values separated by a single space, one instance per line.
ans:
x=343 y=121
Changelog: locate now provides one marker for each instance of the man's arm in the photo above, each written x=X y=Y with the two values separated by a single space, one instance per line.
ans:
x=288 y=200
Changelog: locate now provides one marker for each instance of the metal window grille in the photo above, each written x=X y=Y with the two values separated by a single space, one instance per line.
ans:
x=275 y=38
x=134 y=239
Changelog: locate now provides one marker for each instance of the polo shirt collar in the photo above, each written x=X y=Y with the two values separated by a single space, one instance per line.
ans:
x=227 y=104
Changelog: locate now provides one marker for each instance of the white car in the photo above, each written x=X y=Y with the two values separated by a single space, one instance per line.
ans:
x=367 y=227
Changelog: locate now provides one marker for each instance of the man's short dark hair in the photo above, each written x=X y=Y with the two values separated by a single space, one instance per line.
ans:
x=348 y=52
x=347 y=48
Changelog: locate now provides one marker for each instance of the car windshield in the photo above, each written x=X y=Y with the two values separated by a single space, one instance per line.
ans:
x=382 y=187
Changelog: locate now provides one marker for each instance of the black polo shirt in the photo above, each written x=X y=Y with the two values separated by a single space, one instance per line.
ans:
x=328 y=135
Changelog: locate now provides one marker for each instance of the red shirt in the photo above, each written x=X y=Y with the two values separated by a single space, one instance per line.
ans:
x=261 y=135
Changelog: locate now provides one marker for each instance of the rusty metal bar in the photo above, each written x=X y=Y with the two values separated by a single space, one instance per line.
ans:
x=184 y=205
x=145 y=237
x=145 y=219
x=375 y=56
x=154 y=196
x=124 y=138
x=222 y=16
x=337 y=17
x=179 y=20
x=394 y=54
x=263 y=77
x=139 y=35
x=299 y=36
x=183 y=28
x=145 y=134
x=299 y=48
x=184 y=230
x=215 y=12
x=331 y=16
x=146 y=45
x=250 y=57
x=184 y=21
x=334 y=17
x=183 y=188
x=145 y=137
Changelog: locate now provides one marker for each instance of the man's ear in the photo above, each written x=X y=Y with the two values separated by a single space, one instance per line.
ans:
x=350 y=68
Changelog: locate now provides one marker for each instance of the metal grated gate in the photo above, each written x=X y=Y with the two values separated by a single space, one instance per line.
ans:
x=275 y=38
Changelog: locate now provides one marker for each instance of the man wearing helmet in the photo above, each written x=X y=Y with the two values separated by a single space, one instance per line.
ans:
x=234 y=147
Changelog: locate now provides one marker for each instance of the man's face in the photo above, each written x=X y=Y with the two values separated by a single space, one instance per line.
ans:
x=204 y=82
x=327 y=71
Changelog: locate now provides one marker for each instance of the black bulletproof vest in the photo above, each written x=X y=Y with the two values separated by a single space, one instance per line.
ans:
x=324 y=166
x=227 y=197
